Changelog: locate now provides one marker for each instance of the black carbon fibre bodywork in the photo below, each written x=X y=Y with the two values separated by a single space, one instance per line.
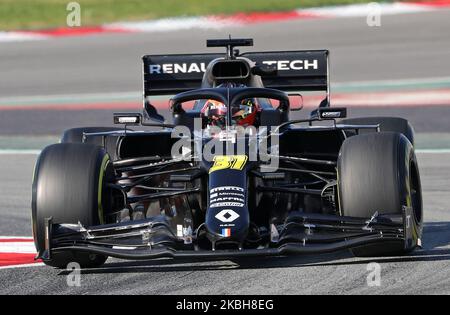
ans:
x=303 y=234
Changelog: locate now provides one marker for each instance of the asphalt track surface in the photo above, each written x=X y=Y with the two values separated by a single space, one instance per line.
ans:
x=406 y=46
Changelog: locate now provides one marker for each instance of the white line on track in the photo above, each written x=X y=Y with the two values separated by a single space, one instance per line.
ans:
x=17 y=247
x=22 y=266
x=363 y=10
x=19 y=152
x=71 y=98
x=433 y=151
x=20 y=37
x=392 y=82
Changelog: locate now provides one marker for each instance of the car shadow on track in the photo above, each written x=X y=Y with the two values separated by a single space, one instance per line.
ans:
x=436 y=248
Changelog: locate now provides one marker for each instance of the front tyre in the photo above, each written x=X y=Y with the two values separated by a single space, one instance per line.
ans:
x=68 y=186
x=378 y=172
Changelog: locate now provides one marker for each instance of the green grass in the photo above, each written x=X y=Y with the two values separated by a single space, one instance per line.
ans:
x=40 y=14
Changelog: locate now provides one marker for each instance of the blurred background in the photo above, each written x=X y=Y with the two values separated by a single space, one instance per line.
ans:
x=65 y=63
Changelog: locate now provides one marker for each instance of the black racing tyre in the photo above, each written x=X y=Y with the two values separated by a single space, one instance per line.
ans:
x=378 y=172
x=68 y=186
x=75 y=135
x=387 y=124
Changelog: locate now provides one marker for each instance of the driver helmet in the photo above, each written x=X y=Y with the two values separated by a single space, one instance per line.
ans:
x=245 y=113
x=215 y=113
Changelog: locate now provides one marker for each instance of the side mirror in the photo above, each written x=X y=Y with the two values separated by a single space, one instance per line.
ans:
x=151 y=112
x=296 y=101
x=331 y=113
x=134 y=119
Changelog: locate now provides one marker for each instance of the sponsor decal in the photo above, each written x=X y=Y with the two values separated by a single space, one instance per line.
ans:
x=227 y=199
x=227 y=196
x=297 y=65
x=227 y=188
x=226 y=232
x=227 y=216
x=331 y=114
x=174 y=68
x=227 y=204
x=233 y=162
x=282 y=65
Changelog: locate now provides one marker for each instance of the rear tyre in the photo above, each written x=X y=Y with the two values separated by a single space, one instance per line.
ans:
x=68 y=186
x=387 y=124
x=75 y=135
x=378 y=172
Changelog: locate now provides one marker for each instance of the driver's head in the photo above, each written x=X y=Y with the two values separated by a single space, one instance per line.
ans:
x=215 y=113
x=244 y=114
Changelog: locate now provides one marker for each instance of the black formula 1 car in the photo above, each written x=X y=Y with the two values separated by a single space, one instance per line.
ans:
x=232 y=176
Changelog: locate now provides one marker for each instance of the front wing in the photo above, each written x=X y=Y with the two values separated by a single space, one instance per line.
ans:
x=301 y=234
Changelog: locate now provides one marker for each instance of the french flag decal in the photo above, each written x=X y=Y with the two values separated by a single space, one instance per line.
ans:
x=226 y=232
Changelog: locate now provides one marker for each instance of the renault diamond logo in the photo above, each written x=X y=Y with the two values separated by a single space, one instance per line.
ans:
x=227 y=216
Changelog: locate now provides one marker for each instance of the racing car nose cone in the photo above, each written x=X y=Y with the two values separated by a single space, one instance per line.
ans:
x=227 y=216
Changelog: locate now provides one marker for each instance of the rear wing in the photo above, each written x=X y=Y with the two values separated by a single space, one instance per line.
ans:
x=297 y=71
x=172 y=74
